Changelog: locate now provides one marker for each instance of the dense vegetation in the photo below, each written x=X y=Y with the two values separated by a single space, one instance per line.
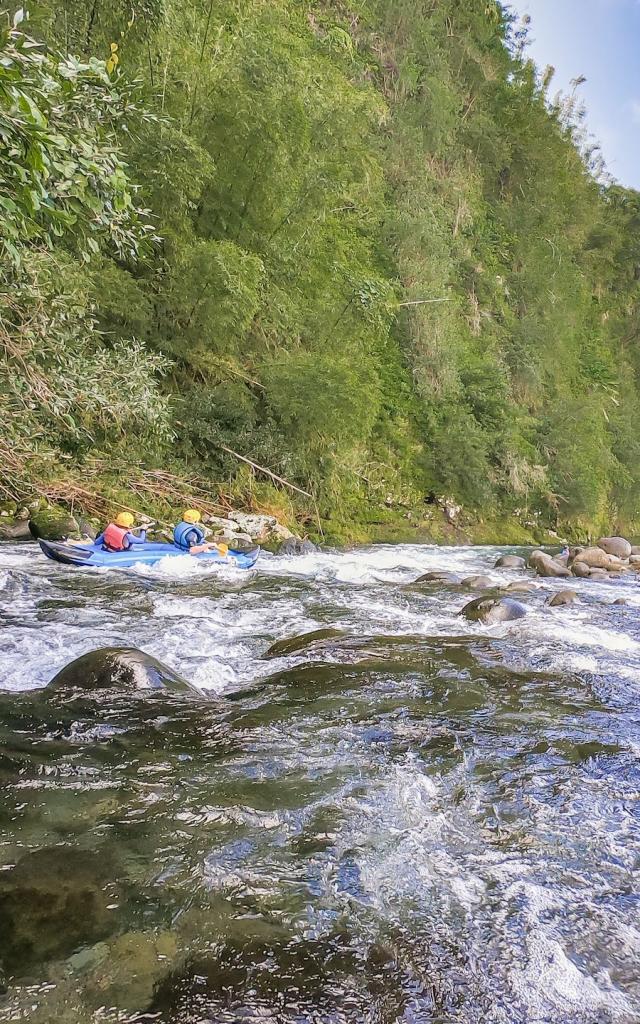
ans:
x=358 y=243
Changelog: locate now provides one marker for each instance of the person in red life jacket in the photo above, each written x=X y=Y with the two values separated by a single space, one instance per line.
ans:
x=118 y=536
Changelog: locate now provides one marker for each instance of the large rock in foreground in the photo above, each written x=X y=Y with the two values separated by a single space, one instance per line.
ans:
x=617 y=546
x=490 y=610
x=124 y=668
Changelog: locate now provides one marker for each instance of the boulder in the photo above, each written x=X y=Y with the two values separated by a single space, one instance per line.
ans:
x=520 y=587
x=599 y=574
x=54 y=524
x=545 y=565
x=635 y=550
x=122 y=668
x=283 y=648
x=491 y=610
x=297 y=546
x=235 y=541
x=20 y=531
x=634 y=560
x=510 y=562
x=218 y=523
x=478 y=582
x=581 y=570
x=258 y=527
x=562 y=597
x=617 y=546
x=438 y=576
x=597 y=558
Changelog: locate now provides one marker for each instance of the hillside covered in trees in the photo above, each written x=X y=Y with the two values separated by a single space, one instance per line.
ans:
x=359 y=244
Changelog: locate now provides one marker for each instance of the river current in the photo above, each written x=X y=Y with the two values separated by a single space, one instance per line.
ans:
x=404 y=818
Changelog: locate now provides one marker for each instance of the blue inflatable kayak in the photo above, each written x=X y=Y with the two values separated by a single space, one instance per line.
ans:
x=147 y=554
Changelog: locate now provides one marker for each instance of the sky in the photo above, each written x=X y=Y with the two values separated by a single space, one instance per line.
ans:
x=599 y=39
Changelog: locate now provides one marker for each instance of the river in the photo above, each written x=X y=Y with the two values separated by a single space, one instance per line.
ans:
x=415 y=819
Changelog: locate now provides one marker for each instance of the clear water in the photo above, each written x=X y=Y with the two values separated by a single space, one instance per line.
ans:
x=415 y=820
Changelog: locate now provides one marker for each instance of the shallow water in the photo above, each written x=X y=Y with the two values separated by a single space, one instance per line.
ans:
x=415 y=819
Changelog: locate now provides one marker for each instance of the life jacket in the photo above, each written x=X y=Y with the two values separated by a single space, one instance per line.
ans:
x=181 y=533
x=114 y=538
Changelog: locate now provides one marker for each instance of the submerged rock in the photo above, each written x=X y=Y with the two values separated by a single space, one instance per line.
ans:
x=493 y=609
x=478 y=582
x=123 y=668
x=520 y=587
x=562 y=597
x=437 y=576
x=52 y=902
x=510 y=562
x=617 y=546
x=291 y=645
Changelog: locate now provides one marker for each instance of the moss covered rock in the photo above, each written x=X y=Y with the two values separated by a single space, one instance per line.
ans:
x=53 y=523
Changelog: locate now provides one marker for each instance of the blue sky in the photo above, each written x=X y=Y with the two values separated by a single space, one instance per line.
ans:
x=599 y=39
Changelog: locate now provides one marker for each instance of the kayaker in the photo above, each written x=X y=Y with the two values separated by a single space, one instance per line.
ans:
x=190 y=536
x=119 y=535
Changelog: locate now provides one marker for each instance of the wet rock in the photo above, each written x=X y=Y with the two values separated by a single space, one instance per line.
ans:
x=617 y=546
x=124 y=668
x=519 y=587
x=478 y=583
x=438 y=576
x=596 y=558
x=599 y=574
x=620 y=600
x=581 y=570
x=510 y=562
x=562 y=597
x=54 y=524
x=490 y=610
x=52 y=902
x=297 y=546
x=545 y=565
x=15 y=531
x=282 y=648
x=634 y=560
x=234 y=541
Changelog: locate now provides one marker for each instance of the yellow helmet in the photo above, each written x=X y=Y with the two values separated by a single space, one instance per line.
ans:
x=125 y=520
x=191 y=516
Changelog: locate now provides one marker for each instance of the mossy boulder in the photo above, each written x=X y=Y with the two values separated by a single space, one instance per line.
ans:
x=54 y=523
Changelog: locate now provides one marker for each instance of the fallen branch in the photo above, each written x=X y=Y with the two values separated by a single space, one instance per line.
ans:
x=262 y=469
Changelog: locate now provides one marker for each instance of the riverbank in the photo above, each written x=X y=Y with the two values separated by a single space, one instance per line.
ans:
x=100 y=491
